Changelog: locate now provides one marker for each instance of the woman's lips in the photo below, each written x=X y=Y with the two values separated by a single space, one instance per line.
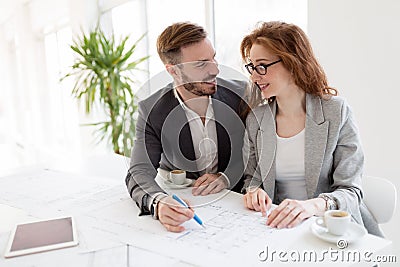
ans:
x=263 y=86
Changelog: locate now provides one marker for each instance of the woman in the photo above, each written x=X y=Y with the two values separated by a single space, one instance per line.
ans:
x=303 y=145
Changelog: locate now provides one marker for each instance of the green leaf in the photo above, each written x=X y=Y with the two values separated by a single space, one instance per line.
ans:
x=104 y=73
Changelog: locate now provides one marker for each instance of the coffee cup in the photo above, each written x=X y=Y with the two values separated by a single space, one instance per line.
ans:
x=335 y=221
x=177 y=177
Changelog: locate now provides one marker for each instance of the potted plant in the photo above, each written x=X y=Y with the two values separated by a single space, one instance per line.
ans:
x=103 y=70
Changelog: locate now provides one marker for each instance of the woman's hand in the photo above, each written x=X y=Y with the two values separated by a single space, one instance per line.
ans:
x=258 y=200
x=292 y=212
x=209 y=184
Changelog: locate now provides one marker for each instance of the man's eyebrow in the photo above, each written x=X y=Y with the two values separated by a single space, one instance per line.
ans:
x=215 y=53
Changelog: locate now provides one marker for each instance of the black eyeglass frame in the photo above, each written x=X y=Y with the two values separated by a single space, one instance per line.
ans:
x=251 y=68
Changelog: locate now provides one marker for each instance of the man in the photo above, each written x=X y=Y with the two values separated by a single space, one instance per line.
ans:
x=191 y=124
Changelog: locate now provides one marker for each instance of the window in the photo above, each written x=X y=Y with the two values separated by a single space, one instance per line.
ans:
x=129 y=20
x=234 y=21
x=61 y=109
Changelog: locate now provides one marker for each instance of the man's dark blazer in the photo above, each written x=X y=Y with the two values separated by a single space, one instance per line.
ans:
x=163 y=139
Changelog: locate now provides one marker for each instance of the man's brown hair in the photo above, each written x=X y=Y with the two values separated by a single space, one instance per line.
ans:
x=176 y=36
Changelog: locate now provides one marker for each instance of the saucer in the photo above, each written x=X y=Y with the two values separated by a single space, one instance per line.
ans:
x=188 y=182
x=353 y=233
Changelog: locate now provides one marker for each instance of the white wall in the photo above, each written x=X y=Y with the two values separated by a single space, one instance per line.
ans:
x=358 y=44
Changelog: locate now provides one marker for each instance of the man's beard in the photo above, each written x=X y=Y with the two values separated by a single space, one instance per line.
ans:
x=199 y=88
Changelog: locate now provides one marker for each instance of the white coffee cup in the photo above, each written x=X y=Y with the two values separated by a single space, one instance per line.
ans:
x=177 y=177
x=336 y=221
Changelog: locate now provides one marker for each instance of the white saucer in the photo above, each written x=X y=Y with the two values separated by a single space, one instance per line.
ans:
x=188 y=182
x=352 y=234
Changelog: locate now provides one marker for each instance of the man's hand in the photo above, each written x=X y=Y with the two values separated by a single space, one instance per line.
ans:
x=257 y=199
x=172 y=214
x=209 y=184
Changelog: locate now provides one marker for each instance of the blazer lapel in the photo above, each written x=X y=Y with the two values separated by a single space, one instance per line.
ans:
x=266 y=146
x=223 y=140
x=186 y=142
x=316 y=136
x=180 y=129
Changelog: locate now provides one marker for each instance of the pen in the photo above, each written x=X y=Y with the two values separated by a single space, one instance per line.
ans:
x=196 y=218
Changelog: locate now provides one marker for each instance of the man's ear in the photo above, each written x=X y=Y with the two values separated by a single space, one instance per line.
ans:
x=173 y=70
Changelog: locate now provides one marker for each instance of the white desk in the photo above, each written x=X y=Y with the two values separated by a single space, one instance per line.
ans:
x=111 y=233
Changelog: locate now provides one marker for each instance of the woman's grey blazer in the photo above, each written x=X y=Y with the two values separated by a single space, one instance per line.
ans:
x=333 y=155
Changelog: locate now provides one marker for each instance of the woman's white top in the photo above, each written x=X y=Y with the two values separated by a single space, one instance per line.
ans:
x=290 y=170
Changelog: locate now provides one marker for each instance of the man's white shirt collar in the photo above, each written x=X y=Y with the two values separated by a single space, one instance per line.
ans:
x=210 y=110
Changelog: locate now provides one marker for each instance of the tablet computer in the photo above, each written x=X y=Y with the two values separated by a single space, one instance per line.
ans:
x=43 y=235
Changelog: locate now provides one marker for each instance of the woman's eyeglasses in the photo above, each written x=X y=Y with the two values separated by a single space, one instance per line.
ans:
x=261 y=68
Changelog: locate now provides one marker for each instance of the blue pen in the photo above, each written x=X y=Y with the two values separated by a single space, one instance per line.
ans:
x=196 y=218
